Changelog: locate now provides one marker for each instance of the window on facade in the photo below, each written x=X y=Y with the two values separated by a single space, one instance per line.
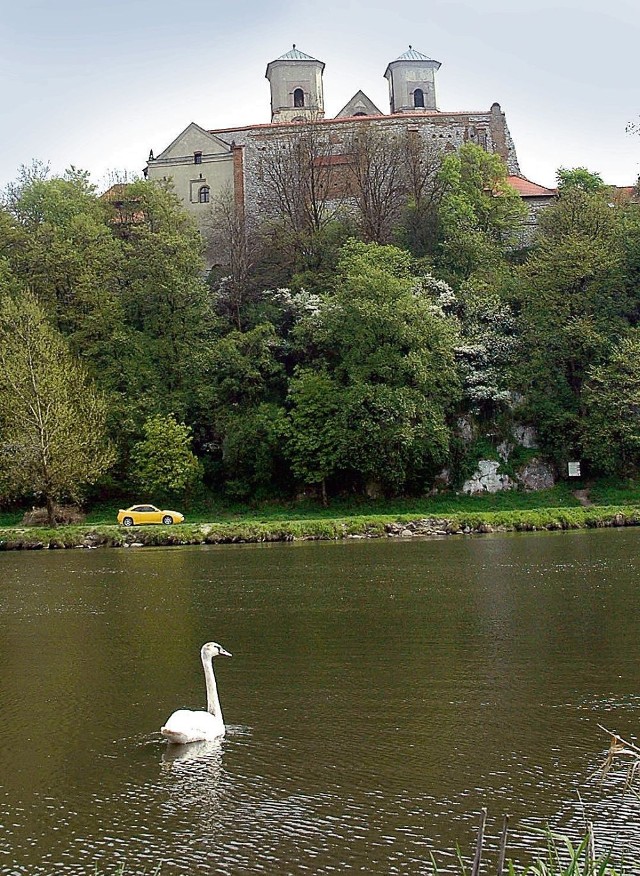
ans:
x=203 y=194
x=298 y=97
x=197 y=157
x=418 y=98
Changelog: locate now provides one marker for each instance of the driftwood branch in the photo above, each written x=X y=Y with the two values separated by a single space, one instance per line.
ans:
x=618 y=740
x=620 y=748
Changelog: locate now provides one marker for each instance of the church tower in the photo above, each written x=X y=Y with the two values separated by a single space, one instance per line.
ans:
x=296 y=87
x=412 y=82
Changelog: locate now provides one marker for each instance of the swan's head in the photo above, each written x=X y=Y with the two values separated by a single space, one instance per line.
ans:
x=212 y=649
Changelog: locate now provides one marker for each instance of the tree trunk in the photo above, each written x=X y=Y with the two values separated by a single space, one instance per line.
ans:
x=51 y=511
x=325 y=502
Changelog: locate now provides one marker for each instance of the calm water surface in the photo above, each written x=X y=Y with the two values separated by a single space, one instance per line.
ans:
x=379 y=695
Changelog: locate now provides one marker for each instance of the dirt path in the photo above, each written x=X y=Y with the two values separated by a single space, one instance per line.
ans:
x=583 y=497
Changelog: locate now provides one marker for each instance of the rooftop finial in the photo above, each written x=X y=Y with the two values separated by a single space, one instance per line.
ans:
x=294 y=45
x=410 y=46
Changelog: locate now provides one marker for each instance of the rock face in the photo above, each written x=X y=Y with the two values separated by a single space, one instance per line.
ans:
x=465 y=430
x=537 y=475
x=525 y=436
x=487 y=480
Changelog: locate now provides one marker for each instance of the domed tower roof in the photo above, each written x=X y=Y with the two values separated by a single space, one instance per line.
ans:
x=412 y=83
x=296 y=87
x=295 y=54
x=414 y=55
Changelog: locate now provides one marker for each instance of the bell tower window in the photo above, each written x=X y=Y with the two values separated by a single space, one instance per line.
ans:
x=298 y=97
x=418 y=98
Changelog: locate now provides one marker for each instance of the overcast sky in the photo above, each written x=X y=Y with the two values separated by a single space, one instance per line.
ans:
x=99 y=83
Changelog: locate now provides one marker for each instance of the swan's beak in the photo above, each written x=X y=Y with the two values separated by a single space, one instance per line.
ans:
x=223 y=653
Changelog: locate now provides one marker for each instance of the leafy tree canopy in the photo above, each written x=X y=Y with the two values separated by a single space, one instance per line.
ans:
x=578 y=178
x=165 y=465
x=611 y=427
x=53 y=422
x=385 y=351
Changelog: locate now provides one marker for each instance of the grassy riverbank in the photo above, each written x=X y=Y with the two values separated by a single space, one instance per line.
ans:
x=443 y=515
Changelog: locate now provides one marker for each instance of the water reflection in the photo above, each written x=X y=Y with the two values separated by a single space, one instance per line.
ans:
x=201 y=750
x=192 y=775
x=392 y=690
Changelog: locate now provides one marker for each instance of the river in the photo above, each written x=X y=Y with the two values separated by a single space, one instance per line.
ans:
x=381 y=692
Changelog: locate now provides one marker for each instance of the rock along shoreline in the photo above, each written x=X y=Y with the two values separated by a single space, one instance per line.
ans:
x=361 y=527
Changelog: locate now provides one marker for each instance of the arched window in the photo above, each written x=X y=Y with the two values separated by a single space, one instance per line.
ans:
x=298 y=97
x=418 y=98
x=203 y=194
x=197 y=157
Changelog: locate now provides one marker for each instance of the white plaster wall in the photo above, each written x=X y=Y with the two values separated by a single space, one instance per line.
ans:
x=285 y=77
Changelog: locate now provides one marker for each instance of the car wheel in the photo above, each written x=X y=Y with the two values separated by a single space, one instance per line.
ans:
x=127 y=521
x=167 y=520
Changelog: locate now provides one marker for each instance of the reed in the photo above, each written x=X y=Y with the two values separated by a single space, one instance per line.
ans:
x=562 y=856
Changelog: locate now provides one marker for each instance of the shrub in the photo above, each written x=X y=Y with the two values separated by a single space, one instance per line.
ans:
x=64 y=514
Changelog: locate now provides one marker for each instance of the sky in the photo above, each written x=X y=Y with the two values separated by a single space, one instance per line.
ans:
x=98 y=83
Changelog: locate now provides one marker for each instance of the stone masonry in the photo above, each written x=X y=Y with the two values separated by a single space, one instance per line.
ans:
x=202 y=164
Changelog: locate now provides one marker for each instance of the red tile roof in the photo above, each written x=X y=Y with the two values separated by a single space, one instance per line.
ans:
x=625 y=192
x=117 y=192
x=528 y=189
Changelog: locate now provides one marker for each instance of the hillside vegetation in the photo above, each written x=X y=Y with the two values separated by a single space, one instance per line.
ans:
x=328 y=360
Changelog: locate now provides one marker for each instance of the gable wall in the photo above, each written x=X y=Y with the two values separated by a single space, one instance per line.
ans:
x=177 y=165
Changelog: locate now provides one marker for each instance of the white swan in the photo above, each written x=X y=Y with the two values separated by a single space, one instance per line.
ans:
x=187 y=726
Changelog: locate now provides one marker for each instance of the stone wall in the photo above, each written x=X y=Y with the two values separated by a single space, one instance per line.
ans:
x=529 y=224
x=232 y=158
x=445 y=132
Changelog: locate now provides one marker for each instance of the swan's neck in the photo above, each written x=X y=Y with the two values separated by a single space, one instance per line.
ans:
x=213 y=702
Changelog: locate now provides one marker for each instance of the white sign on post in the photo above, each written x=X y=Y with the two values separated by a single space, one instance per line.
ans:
x=574 y=469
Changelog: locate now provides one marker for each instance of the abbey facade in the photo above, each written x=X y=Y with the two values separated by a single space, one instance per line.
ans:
x=205 y=164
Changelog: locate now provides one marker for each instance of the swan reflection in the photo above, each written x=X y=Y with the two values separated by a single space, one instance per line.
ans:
x=204 y=749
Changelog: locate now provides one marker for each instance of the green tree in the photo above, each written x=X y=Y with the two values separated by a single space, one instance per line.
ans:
x=386 y=349
x=164 y=300
x=478 y=216
x=578 y=178
x=317 y=435
x=611 y=426
x=575 y=302
x=163 y=462
x=53 y=436
x=66 y=255
x=121 y=277
x=238 y=374
x=253 y=459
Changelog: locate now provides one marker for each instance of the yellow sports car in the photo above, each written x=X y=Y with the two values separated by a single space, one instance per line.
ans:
x=138 y=514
